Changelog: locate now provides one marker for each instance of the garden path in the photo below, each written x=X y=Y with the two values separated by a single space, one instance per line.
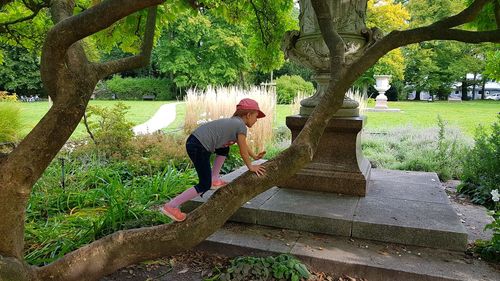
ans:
x=161 y=119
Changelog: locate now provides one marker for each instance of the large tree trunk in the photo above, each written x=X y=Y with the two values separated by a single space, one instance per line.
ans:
x=70 y=79
x=483 y=86
x=417 y=95
x=474 y=82
x=464 y=89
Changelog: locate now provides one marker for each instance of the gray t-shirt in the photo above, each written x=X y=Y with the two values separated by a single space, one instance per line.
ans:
x=220 y=133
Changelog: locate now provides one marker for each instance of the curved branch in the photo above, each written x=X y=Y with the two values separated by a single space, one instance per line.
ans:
x=95 y=19
x=137 y=61
x=127 y=247
x=332 y=39
x=467 y=15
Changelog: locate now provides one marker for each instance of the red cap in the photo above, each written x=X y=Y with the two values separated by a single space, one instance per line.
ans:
x=250 y=104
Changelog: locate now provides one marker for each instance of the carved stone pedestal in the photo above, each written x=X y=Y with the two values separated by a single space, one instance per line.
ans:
x=338 y=165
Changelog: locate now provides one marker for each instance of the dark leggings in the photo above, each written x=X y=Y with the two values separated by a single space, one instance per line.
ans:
x=201 y=160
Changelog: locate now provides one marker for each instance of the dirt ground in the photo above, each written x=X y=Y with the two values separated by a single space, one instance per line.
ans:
x=197 y=266
x=189 y=266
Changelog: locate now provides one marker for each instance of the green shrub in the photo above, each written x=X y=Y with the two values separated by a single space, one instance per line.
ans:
x=282 y=267
x=10 y=122
x=437 y=150
x=135 y=88
x=287 y=88
x=481 y=173
x=110 y=130
x=490 y=250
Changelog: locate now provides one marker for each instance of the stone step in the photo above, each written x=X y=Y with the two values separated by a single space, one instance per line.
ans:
x=402 y=207
x=375 y=261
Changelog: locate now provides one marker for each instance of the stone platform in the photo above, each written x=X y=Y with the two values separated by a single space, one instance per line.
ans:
x=337 y=255
x=408 y=208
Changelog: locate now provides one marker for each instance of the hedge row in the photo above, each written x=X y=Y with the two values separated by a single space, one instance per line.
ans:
x=135 y=89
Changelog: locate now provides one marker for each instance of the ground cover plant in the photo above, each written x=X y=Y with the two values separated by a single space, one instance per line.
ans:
x=437 y=149
x=102 y=194
x=281 y=267
x=481 y=182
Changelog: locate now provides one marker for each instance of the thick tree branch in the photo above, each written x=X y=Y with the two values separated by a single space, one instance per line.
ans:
x=94 y=19
x=137 y=61
x=332 y=39
x=131 y=246
x=467 y=15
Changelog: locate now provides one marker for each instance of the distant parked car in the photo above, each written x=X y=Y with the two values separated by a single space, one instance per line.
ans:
x=494 y=96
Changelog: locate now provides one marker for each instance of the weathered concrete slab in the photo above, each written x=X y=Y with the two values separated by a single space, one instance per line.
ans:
x=375 y=261
x=400 y=207
x=407 y=191
x=409 y=222
x=308 y=210
x=404 y=176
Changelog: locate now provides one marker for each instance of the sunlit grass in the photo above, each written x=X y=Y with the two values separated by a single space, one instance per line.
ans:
x=140 y=111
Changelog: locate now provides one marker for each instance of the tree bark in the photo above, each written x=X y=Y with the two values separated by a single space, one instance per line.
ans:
x=70 y=80
x=464 y=88
x=474 y=87
x=483 y=87
x=417 y=95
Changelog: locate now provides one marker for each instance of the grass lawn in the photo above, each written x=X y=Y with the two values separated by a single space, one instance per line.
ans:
x=465 y=115
x=139 y=112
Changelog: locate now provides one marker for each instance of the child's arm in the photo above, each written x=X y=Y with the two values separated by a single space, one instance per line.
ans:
x=245 y=155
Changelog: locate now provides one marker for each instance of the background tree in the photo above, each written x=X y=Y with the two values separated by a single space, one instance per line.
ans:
x=20 y=72
x=69 y=78
x=386 y=16
x=200 y=50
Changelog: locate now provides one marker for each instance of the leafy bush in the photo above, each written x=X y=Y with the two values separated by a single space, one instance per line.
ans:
x=135 y=88
x=10 y=121
x=287 y=87
x=481 y=166
x=437 y=150
x=111 y=132
x=233 y=161
x=282 y=267
x=490 y=250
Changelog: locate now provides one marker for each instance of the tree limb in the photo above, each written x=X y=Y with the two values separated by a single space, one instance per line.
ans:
x=137 y=61
x=330 y=36
x=467 y=15
x=123 y=248
x=95 y=19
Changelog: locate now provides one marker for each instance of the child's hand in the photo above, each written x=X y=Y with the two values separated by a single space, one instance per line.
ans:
x=258 y=169
x=260 y=155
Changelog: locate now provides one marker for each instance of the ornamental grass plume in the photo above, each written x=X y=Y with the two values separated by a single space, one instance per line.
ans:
x=215 y=103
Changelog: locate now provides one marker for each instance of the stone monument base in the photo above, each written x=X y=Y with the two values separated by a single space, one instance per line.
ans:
x=338 y=165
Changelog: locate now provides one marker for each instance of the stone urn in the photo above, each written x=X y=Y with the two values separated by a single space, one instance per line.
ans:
x=340 y=167
x=381 y=85
x=307 y=48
